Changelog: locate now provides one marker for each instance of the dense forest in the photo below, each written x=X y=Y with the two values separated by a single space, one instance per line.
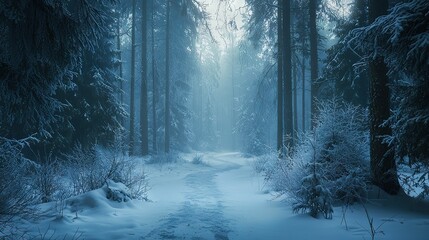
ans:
x=110 y=102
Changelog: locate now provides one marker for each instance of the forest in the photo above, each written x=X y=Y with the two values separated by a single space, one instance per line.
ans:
x=214 y=119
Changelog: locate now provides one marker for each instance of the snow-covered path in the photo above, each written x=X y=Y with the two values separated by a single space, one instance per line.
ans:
x=220 y=199
x=201 y=214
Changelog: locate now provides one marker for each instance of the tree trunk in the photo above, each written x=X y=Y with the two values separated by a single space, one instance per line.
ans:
x=167 y=82
x=287 y=70
x=154 y=89
x=303 y=90
x=233 y=91
x=143 y=91
x=133 y=76
x=279 y=79
x=313 y=57
x=383 y=166
x=118 y=47
x=295 y=104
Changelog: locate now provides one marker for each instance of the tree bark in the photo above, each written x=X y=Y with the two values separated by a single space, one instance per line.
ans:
x=303 y=90
x=383 y=165
x=143 y=91
x=154 y=89
x=287 y=78
x=167 y=82
x=133 y=76
x=313 y=57
x=118 y=47
x=295 y=104
x=279 y=79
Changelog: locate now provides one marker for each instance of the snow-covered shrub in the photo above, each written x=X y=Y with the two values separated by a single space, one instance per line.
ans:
x=16 y=194
x=275 y=170
x=117 y=192
x=47 y=179
x=91 y=169
x=121 y=168
x=197 y=159
x=329 y=165
x=335 y=159
x=262 y=164
x=83 y=170
x=341 y=148
x=313 y=195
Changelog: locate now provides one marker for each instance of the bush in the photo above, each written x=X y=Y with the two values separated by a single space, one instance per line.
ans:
x=198 y=160
x=341 y=147
x=329 y=165
x=313 y=196
x=47 y=179
x=16 y=194
x=90 y=169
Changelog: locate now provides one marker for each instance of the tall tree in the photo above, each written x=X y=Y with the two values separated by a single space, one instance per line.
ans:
x=167 y=81
x=133 y=77
x=383 y=165
x=154 y=84
x=313 y=55
x=342 y=76
x=302 y=39
x=279 y=78
x=143 y=93
x=40 y=52
x=287 y=71
x=118 y=49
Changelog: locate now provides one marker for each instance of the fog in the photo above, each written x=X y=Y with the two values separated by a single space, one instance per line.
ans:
x=214 y=119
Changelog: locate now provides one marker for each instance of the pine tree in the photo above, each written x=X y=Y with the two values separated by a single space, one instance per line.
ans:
x=41 y=46
x=279 y=78
x=167 y=81
x=144 y=126
x=287 y=71
x=314 y=61
x=154 y=82
x=383 y=166
x=133 y=78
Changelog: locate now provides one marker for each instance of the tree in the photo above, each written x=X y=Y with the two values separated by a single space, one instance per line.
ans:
x=383 y=166
x=397 y=45
x=287 y=71
x=133 y=77
x=302 y=33
x=313 y=55
x=154 y=82
x=279 y=79
x=41 y=46
x=121 y=10
x=144 y=126
x=347 y=81
x=167 y=81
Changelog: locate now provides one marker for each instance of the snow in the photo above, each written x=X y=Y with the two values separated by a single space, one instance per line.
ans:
x=221 y=199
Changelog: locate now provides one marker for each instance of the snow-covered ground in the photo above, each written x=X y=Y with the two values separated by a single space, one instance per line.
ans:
x=220 y=199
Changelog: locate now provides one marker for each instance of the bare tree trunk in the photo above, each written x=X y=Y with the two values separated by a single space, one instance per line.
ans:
x=279 y=79
x=167 y=82
x=287 y=70
x=313 y=57
x=233 y=91
x=118 y=47
x=133 y=76
x=383 y=165
x=303 y=91
x=154 y=89
x=143 y=91
x=295 y=105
